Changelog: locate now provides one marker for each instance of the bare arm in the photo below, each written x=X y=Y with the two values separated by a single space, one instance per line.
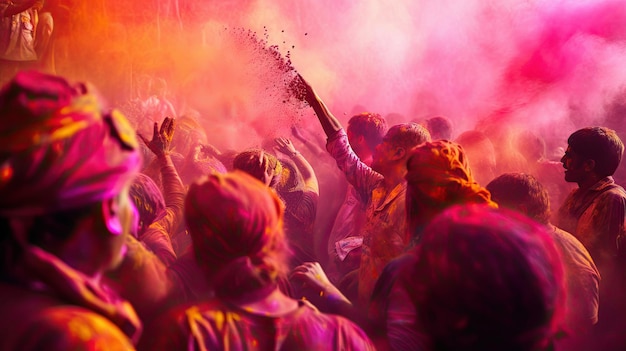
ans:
x=329 y=122
x=313 y=147
x=285 y=146
x=158 y=235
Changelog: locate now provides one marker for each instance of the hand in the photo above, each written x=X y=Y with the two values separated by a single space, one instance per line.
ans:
x=161 y=138
x=314 y=280
x=302 y=90
x=285 y=146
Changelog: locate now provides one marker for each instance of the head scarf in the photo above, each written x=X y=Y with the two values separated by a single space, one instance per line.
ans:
x=235 y=222
x=61 y=149
x=440 y=170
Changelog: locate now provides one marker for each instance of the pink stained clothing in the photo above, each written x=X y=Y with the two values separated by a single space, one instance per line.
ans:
x=348 y=224
x=384 y=233
x=48 y=305
x=39 y=321
x=216 y=325
x=596 y=217
x=392 y=314
x=157 y=237
x=582 y=281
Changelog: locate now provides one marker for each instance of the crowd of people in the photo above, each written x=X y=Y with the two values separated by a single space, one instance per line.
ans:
x=126 y=232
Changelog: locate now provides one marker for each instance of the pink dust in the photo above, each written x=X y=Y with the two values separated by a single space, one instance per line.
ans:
x=548 y=66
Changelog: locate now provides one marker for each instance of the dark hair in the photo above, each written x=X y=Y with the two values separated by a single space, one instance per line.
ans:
x=600 y=144
x=513 y=189
x=440 y=127
x=486 y=279
x=148 y=199
x=371 y=126
x=407 y=135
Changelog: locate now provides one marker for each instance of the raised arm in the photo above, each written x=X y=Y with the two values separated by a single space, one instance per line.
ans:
x=173 y=192
x=329 y=122
x=285 y=146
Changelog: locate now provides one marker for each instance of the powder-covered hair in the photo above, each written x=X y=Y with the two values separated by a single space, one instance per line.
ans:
x=255 y=162
x=407 y=135
x=371 y=126
x=486 y=279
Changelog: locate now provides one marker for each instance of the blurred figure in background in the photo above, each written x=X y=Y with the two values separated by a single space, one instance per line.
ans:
x=440 y=127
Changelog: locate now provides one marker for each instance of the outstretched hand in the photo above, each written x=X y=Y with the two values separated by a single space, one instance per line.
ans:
x=285 y=146
x=161 y=138
x=303 y=90
x=316 y=287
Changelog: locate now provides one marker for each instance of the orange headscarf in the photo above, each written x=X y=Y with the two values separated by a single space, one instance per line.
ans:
x=236 y=223
x=440 y=169
x=60 y=148
x=439 y=176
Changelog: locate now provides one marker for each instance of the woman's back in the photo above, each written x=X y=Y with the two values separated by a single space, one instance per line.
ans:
x=218 y=325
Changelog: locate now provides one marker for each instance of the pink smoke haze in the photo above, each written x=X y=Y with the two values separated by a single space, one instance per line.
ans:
x=551 y=66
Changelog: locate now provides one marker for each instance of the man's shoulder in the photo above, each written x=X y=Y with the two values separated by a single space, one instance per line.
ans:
x=67 y=327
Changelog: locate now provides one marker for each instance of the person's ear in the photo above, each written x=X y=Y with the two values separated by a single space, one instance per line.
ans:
x=399 y=153
x=589 y=165
x=522 y=208
x=111 y=216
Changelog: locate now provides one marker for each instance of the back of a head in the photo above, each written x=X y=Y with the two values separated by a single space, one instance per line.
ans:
x=371 y=126
x=257 y=163
x=439 y=176
x=440 y=128
x=236 y=224
x=408 y=135
x=521 y=192
x=148 y=199
x=486 y=279
x=600 y=144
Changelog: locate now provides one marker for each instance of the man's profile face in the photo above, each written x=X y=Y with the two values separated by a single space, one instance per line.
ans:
x=382 y=154
x=574 y=166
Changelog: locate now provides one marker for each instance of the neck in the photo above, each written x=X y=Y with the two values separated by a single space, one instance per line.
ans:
x=273 y=304
x=588 y=183
x=394 y=177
